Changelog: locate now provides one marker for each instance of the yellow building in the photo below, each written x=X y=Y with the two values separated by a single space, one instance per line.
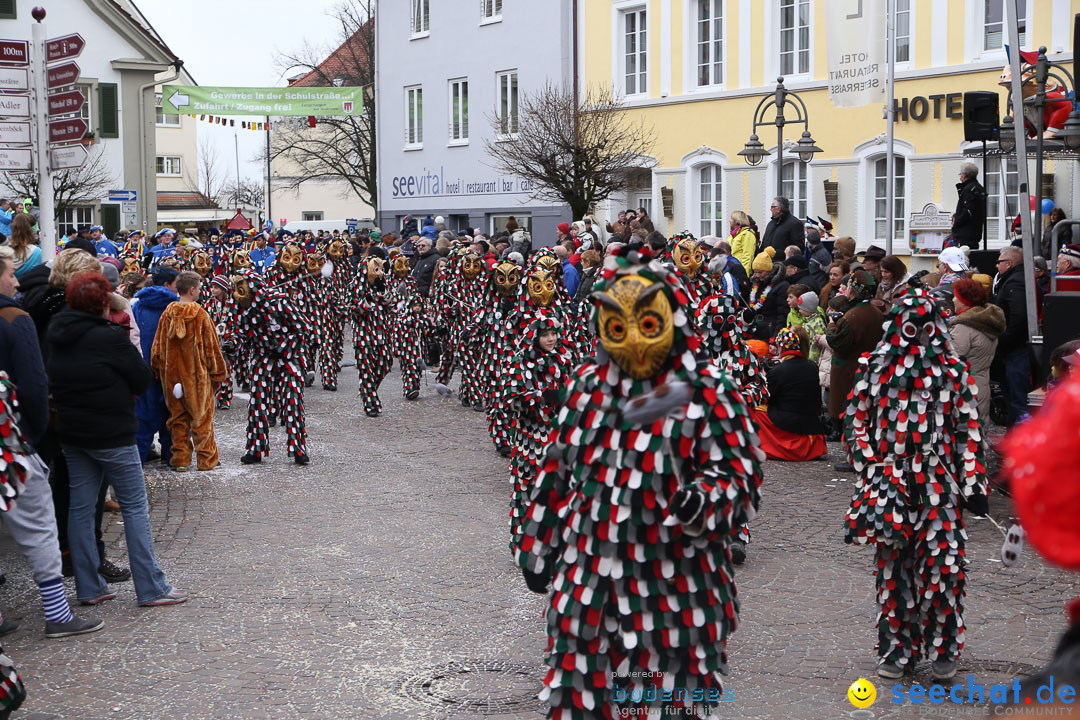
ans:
x=695 y=71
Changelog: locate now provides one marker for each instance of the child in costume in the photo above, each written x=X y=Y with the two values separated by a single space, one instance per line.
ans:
x=371 y=332
x=913 y=432
x=652 y=462
x=536 y=376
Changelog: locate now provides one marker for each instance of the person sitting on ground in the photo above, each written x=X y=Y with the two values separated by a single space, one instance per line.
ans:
x=790 y=428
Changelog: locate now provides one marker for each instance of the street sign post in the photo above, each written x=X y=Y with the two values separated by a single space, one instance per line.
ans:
x=15 y=52
x=65 y=47
x=15 y=133
x=16 y=158
x=129 y=214
x=63 y=103
x=65 y=131
x=15 y=106
x=62 y=75
x=122 y=196
x=13 y=79
x=289 y=101
x=67 y=157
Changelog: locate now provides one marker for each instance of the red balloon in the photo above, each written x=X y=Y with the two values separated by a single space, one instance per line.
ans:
x=1032 y=199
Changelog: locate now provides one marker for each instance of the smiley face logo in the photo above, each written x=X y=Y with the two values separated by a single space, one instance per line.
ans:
x=862 y=693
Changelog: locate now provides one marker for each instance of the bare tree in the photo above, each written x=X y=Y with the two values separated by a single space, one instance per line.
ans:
x=247 y=192
x=578 y=154
x=76 y=187
x=209 y=181
x=337 y=148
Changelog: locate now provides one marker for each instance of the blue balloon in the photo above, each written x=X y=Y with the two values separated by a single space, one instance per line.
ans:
x=1047 y=206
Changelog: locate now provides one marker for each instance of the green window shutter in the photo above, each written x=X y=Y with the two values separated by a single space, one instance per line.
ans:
x=7 y=9
x=108 y=110
x=110 y=219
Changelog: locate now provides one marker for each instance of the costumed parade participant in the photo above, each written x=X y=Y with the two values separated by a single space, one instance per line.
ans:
x=446 y=311
x=467 y=333
x=652 y=463
x=409 y=327
x=202 y=263
x=225 y=315
x=502 y=319
x=913 y=432
x=338 y=301
x=312 y=308
x=371 y=332
x=16 y=457
x=688 y=257
x=270 y=331
x=537 y=374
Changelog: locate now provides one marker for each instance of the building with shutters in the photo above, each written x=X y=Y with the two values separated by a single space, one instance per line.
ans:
x=445 y=69
x=124 y=59
x=695 y=70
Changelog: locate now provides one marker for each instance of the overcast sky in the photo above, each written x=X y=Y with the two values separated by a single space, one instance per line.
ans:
x=232 y=43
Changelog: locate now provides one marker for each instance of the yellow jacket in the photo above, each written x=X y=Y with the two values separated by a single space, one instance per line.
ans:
x=743 y=247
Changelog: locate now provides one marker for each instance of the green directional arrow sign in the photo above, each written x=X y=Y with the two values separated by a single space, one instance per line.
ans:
x=300 y=101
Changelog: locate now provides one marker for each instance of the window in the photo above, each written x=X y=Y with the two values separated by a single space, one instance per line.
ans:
x=459 y=111
x=793 y=186
x=995 y=35
x=168 y=165
x=85 y=113
x=794 y=37
x=421 y=18
x=1001 y=199
x=881 y=201
x=635 y=52
x=508 y=103
x=414 y=117
x=497 y=223
x=710 y=192
x=73 y=217
x=710 y=42
x=312 y=216
x=161 y=118
x=490 y=10
x=903 y=31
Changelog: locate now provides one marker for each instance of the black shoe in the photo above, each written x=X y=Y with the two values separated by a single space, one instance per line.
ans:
x=251 y=459
x=9 y=626
x=738 y=552
x=301 y=459
x=372 y=413
x=330 y=388
x=153 y=455
x=412 y=395
x=504 y=451
x=112 y=573
x=479 y=407
x=66 y=568
x=273 y=422
x=222 y=406
x=465 y=403
x=834 y=436
x=844 y=467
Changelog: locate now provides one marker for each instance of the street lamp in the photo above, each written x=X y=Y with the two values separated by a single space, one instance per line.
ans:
x=755 y=152
x=1006 y=135
x=1070 y=134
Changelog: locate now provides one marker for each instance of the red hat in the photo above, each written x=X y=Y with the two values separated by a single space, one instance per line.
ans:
x=1044 y=477
x=564 y=228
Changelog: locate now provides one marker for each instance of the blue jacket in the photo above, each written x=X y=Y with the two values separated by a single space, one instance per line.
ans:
x=570 y=276
x=105 y=247
x=150 y=303
x=20 y=358
x=262 y=259
x=5 y=221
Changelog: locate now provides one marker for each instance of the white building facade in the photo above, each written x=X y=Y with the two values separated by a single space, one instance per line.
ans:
x=449 y=75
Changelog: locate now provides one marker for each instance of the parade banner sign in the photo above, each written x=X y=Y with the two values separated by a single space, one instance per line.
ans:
x=855 y=30
x=290 y=101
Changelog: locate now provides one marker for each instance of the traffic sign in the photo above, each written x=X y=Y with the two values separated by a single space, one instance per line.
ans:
x=16 y=158
x=63 y=103
x=288 y=101
x=15 y=106
x=67 y=157
x=14 y=52
x=121 y=196
x=350 y=224
x=65 y=47
x=14 y=79
x=15 y=133
x=70 y=130
x=62 y=75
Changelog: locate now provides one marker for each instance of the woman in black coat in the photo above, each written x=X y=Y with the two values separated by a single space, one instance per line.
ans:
x=791 y=429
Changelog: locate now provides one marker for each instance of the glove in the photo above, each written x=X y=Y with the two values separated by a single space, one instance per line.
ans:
x=977 y=505
x=551 y=396
x=537 y=582
x=686 y=504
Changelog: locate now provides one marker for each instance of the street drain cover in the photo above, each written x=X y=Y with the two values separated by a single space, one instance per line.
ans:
x=986 y=672
x=484 y=687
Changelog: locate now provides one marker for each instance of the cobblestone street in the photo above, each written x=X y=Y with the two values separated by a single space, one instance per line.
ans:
x=376 y=583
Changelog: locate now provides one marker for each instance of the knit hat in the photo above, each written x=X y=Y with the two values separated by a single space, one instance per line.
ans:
x=111 y=274
x=787 y=340
x=863 y=283
x=764 y=260
x=846 y=245
x=985 y=280
x=808 y=302
x=564 y=228
x=222 y=283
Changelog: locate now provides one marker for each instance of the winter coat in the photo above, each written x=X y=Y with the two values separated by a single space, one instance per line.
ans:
x=120 y=313
x=41 y=301
x=975 y=334
x=795 y=397
x=859 y=331
x=783 y=231
x=588 y=277
x=1011 y=299
x=967 y=227
x=804 y=277
x=94 y=374
x=425 y=268
x=889 y=294
x=151 y=302
x=20 y=358
x=744 y=246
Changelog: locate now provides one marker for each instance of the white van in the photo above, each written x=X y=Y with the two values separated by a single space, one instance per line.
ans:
x=315 y=226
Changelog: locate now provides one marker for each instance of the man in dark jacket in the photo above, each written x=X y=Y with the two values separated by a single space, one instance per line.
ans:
x=150 y=406
x=783 y=229
x=425 y=266
x=970 y=215
x=20 y=358
x=1012 y=346
x=798 y=271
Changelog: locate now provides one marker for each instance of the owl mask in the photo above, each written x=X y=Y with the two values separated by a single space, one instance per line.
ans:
x=636 y=325
x=541 y=287
x=291 y=258
x=507 y=279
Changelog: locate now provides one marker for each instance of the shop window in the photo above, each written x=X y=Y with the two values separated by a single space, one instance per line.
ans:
x=710 y=200
x=881 y=202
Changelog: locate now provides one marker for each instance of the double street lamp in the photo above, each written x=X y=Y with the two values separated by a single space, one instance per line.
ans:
x=755 y=152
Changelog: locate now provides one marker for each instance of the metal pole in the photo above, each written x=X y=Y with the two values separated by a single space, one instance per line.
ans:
x=890 y=112
x=236 y=195
x=1024 y=195
x=46 y=205
x=1040 y=103
x=985 y=219
x=781 y=98
x=269 y=205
